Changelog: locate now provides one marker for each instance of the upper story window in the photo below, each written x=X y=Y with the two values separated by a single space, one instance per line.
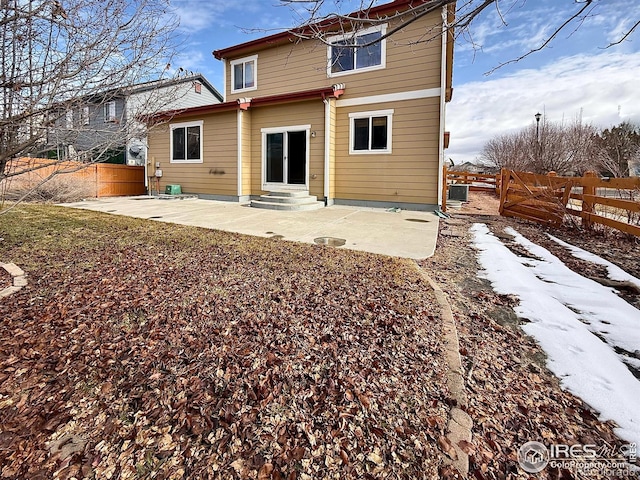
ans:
x=110 y=112
x=357 y=52
x=370 y=132
x=244 y=73
x=84 y=115
x=186 y=142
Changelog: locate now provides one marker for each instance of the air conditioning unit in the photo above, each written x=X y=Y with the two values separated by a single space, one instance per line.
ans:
x=459 y=192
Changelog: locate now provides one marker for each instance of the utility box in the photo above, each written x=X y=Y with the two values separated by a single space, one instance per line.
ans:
x=459 y=192
x=173 y=190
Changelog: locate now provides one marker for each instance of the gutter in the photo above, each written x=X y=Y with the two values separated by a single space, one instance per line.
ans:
x=443 y=89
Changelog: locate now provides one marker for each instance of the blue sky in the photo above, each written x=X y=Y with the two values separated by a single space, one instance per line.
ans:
x=576 y=75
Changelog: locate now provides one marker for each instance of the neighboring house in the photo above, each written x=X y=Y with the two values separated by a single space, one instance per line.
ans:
x=350 y=125
x=110 y=118
x=474 y=168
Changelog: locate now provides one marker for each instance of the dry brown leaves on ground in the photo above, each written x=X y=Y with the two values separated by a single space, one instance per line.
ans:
x=513 y=398
x=142 y=350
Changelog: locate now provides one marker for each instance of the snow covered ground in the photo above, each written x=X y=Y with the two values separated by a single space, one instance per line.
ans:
x=589 y=333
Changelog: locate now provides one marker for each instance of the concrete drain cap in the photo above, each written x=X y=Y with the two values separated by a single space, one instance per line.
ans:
x=416 y=220
x=331 y=241
x=155 y=218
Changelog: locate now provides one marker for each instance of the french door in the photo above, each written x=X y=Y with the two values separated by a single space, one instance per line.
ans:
x=285 y=157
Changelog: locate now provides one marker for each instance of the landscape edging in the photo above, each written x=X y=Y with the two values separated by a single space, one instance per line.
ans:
x=460 y=423
x=18 y=279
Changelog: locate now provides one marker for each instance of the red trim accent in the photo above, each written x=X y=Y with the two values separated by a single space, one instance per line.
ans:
x=325 y=26
x=293 y=97
x=169 y=114
x=320 y=93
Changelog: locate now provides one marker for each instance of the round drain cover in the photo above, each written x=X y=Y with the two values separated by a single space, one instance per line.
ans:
x=416 y=220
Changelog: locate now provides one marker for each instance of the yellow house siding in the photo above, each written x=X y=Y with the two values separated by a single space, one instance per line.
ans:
x=219 y=137
x=409 y=173
x=303 y=65
x=293 y=114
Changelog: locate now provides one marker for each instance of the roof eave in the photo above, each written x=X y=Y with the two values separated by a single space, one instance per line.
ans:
x=334 y=91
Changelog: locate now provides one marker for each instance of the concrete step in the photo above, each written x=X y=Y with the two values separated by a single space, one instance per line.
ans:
x=296 y=200
x=289 y=207
x=288 y=200
x=289 y=193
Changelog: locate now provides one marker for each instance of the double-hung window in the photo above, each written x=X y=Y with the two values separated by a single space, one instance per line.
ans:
x=370 y=132
x=365 y=50
x=244 y=74
x=110 y=112
x=186 y=142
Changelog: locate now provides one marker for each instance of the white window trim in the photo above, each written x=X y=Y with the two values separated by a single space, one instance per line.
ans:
x=383 y=51
x=374 y=113
x=108 y=116
x=233 y=63
x=172 y=127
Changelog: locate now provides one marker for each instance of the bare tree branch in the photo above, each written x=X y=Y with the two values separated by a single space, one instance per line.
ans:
x=579 y=14
x=321 y=24
x=626 y=35
x=59 y=56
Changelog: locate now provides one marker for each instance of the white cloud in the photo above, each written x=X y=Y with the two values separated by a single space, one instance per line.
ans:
x=603 y=88
x=196 y=16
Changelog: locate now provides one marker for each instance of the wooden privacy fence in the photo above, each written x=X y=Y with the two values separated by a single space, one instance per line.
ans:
x=100 y=179
x=546 y=199
x=482 y=182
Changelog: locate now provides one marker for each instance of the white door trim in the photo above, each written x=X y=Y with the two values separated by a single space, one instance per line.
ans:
x=285 y=129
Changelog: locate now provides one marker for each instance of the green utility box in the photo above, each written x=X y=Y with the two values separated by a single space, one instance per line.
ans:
x=173 y=190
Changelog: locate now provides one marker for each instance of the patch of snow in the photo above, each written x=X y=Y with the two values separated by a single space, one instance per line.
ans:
x=614 y=272
x=566 y=311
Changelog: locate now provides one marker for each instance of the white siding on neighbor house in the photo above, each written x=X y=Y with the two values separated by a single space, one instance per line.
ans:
x=172 y=97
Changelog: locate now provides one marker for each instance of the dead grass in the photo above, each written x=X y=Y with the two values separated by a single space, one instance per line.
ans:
x=157 y=351
x=59 y=189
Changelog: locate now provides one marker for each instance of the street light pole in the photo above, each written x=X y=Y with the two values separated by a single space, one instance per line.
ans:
x=538 y=152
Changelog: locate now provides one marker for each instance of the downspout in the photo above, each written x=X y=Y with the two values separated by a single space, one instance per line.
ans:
x=443 y=93
x=327 y=146
x=239 y=148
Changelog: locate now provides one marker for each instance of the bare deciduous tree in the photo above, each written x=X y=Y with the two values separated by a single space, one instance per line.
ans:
x=618 y=149
x=553 y=147
x=64 y=61
x=509 y=150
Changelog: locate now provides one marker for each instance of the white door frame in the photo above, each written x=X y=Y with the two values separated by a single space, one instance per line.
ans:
x=292 y=128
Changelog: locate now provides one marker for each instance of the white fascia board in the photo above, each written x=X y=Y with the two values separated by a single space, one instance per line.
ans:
x=390 y=97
